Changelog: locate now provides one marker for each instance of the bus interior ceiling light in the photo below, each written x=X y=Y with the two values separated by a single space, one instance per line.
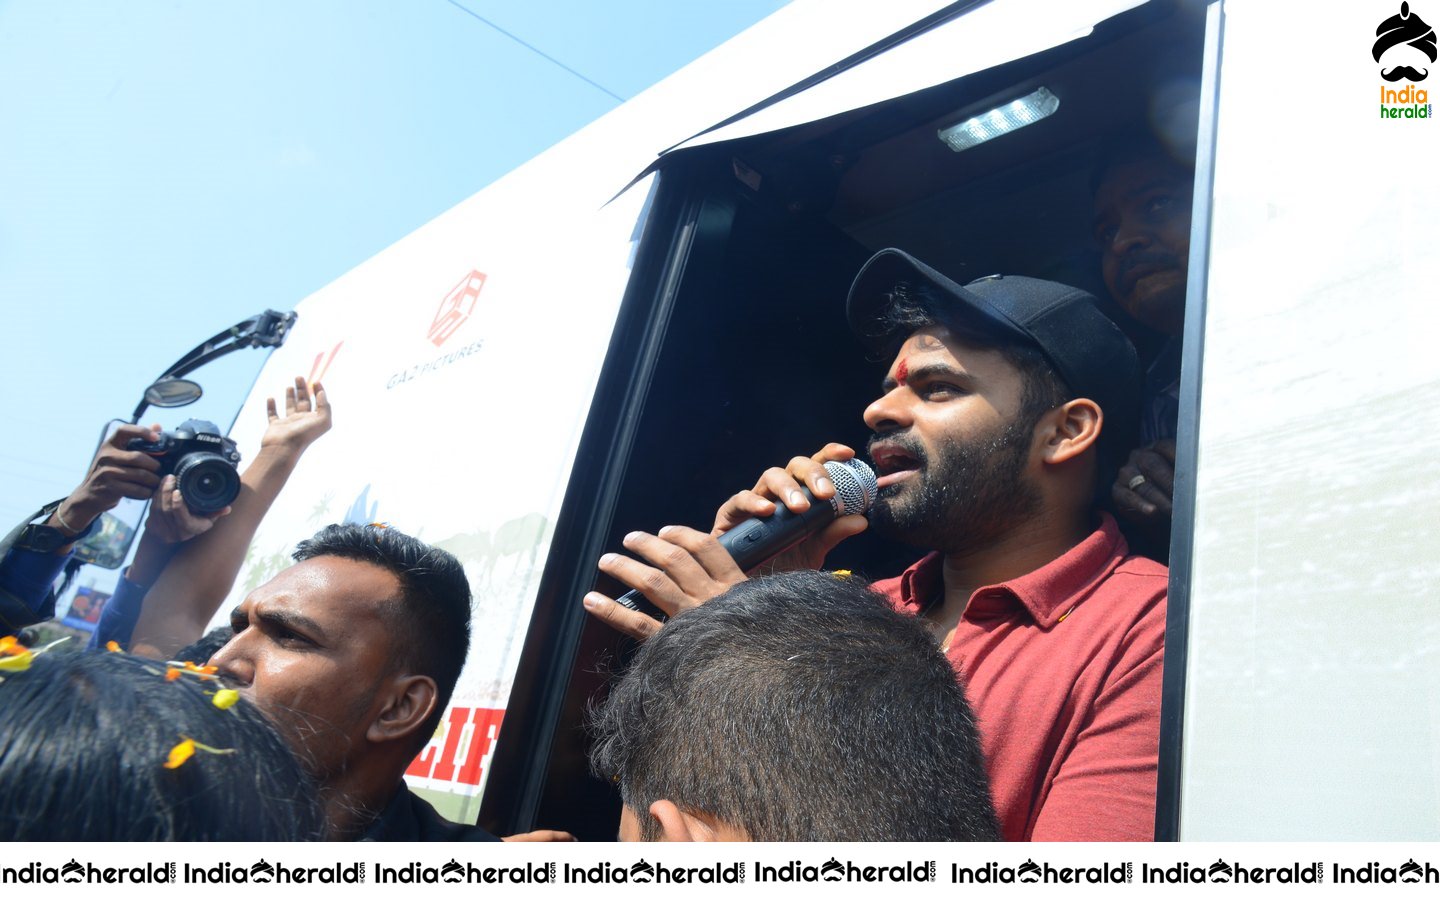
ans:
x=1003 y=119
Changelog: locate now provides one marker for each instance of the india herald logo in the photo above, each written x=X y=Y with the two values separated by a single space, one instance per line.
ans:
x=457 y=306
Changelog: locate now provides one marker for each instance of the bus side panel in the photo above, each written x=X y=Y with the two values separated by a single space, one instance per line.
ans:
x=461 y=364
x=1313 y=682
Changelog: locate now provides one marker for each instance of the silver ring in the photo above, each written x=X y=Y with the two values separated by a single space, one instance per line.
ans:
x=1135 y=482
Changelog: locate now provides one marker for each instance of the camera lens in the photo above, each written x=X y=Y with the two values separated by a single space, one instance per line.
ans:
x=208 y=482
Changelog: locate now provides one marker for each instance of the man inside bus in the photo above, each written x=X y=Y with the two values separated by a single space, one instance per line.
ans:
x=1142 y=226
x=697 y=689
x=988 y=440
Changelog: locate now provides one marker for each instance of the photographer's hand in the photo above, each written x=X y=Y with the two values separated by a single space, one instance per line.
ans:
x=115 y=473
x=168 y=524
x=170 y=521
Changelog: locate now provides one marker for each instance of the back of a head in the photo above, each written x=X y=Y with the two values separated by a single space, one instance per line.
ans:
x=799 y=707
x=433 y=621
x=84 y=742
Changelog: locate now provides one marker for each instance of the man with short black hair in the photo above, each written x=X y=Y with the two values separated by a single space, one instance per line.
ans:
x=1056 y=629
x=781 y=695
x=355 y=651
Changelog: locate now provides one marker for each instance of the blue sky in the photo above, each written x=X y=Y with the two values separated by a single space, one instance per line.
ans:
x=168 y=169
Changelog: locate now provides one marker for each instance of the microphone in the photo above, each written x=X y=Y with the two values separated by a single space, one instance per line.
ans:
x=755 y=541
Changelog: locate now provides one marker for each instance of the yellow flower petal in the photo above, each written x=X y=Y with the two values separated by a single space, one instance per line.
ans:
x=842 y=574
x=226 y=698
x=17 y=663
x=7 y=642
x=179 y=753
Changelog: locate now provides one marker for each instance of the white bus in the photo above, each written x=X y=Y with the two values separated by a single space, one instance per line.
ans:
x=625 y=330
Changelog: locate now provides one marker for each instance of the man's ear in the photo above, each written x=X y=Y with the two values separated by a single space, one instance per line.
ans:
x=1069 y=430
x=678 y=826
x=410 y=701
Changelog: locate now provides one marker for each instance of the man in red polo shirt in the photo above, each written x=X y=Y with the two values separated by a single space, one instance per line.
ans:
x=988 y=443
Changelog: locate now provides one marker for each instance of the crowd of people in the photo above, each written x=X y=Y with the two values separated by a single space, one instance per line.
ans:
x=1004 y=686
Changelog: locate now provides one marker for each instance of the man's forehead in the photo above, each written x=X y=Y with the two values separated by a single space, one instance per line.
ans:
x=937 y=349
x=935 y=343
x=1132 y=177
x=328 y=583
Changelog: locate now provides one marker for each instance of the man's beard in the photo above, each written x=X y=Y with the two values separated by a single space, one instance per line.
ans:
x=969 y=495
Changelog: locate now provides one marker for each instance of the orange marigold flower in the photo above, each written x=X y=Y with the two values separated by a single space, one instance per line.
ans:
x=186 y=749
x=112 y=646
x=172 y=674
x=16 y=657
x=16 y=662
x=226 y=698
x=179 y=753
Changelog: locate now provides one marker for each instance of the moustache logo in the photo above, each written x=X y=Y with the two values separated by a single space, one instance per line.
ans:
x=1400 y=72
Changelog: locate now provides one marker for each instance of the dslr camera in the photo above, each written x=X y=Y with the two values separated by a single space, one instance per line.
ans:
x=203 y=462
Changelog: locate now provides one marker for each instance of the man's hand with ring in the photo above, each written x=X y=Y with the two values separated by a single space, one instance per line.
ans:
x=1144 y=488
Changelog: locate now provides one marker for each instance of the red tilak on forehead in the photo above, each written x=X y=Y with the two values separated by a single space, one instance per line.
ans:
x=902 y=372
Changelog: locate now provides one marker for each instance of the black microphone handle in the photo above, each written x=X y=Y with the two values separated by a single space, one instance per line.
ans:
x=755 y=541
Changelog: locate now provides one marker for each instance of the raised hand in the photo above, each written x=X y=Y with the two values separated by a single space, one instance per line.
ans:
x=307 y=416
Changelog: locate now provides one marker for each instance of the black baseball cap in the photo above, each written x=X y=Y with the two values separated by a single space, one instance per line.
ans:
x=1088 y=350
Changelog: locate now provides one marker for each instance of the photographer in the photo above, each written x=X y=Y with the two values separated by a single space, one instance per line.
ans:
x=186 y=594
x=34 y=555
x=180 y=588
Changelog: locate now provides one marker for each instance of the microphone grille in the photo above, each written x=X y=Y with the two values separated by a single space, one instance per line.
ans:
x=855 y=486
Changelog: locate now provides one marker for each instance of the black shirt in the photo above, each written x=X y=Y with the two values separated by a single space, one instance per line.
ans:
x=408 y=818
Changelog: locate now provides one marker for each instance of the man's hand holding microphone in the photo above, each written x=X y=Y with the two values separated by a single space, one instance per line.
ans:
x=791 y=519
